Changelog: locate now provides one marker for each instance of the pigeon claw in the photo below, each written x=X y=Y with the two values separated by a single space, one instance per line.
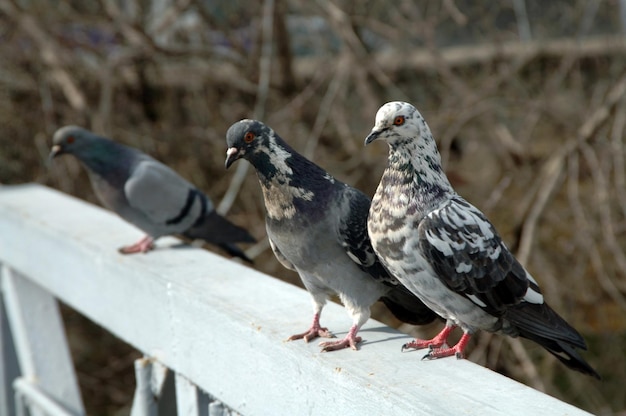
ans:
x=419 y=344
x=142 y=246
x=445 y=351
x=435 y=353
x=439 y=340
x=339 y=345
x=311 y=334
x=351 y=340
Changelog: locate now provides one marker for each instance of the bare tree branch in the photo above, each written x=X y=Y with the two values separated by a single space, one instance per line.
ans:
x=554 y=166
x=261 y=100
x=51 y=54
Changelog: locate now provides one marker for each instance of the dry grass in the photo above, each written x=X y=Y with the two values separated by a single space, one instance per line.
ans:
x=532 y=132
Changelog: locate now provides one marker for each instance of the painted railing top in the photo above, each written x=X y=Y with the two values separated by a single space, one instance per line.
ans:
x=222 y=325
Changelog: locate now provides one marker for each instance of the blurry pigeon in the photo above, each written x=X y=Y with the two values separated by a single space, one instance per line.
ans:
x=317 y=226
x=147 y=193
x=447 y=252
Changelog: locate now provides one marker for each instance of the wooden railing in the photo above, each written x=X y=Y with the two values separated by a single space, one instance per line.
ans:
x=211 y=331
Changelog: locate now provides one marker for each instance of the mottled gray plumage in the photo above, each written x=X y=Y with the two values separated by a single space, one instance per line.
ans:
x=448 y=253
x=317 y=226
x=146 y=193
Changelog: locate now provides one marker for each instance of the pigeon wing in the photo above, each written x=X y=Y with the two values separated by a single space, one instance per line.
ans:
x=157 y=191
x=354 y=238
x=468 y=255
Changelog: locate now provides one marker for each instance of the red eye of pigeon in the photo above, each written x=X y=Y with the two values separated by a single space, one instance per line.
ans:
x=248 y=137
x=398 y=121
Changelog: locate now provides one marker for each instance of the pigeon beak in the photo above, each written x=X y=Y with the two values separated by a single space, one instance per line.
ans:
x=372 y=136
x=232 y=154
x=54 y=152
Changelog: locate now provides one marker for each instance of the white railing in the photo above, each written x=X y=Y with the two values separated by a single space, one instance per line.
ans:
x=211 y=330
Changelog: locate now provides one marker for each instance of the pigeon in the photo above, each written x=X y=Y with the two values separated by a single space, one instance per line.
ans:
x=147 y=194
x=448 y=253
x=317 y=226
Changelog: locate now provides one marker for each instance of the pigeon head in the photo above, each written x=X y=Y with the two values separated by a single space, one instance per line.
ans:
x=72 y=140
x=412 y=147
x=398 y=122
x=247 y=139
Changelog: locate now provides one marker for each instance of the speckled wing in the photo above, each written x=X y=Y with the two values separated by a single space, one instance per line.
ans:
x=468 y=255
x=353 y=236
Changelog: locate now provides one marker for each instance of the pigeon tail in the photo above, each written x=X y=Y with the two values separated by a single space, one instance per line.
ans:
x=405 y=306
x=541 y=324
x=215 y=229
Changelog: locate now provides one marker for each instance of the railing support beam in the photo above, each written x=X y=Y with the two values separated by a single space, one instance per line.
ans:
x=9 y=369
x=154 y=393
x=39 y=336
x=190 y=400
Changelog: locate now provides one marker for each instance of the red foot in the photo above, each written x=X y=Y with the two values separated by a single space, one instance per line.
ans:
x=457 y=350
x=313 y=332
x=351 y=340
x=437 y=341
x=142 y=246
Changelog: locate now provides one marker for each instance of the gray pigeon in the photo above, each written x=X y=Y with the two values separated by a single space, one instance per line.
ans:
x=317 y=226
x=147 y=194
x=448 y=253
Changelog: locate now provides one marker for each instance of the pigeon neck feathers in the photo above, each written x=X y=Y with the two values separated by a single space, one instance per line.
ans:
x=414 y=168
x=289 y=181
x=108 y=160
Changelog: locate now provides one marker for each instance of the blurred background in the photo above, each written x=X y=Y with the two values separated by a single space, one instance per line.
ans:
x=525 y=98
